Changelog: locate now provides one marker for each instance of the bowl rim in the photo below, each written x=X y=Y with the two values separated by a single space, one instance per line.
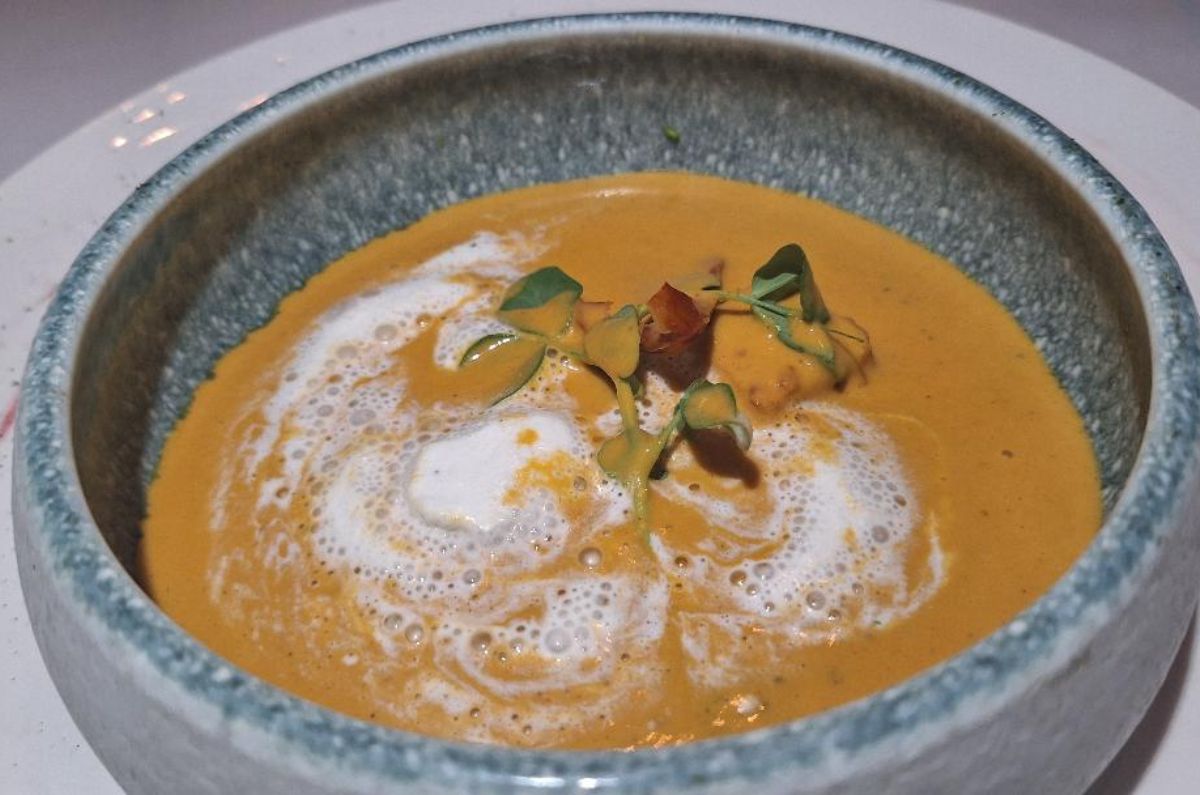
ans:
x=1026 y=648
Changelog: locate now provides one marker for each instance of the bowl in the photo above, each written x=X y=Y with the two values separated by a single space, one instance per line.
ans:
x=203 y=252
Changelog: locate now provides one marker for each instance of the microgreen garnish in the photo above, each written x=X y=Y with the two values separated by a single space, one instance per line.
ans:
x=519 y=354
x=632 y=456
x=671 y=134
x=545 y=309
x=483 y=346
x=541 y=308
x=614 y=344
x=786 y=274
x=541 y=303
x=784 y=297
x=707 y=406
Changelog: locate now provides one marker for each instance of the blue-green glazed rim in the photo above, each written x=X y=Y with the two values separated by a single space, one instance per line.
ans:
x=1140 y=518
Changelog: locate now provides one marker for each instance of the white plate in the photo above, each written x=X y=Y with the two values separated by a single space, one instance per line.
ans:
x=49 y=209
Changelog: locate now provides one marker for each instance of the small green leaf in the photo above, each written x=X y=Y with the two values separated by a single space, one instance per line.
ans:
x=786 y=268
x=810 y=338
x=517 y=357
x=766 y=286
x=538 y=288
x=482 y=346
x=613 y=456
x=614 y=344
x=706 y=405
x=629 y=455
x=671 y=134
x=541 y=303
x=786 y=274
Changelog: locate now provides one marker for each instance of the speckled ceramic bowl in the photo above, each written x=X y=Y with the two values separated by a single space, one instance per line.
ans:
x=204 y=251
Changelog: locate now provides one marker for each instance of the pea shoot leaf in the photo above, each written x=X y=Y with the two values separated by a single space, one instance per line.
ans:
x=516 y=356
x=484 y=345
x=786 y=274
x=809 y=338
x=538 y=288
x=614 y=344
x=629 y=456
x=542 y=302
x=705 y=405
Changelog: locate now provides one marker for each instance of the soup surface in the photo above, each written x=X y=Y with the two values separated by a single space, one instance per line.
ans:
x=342 y=513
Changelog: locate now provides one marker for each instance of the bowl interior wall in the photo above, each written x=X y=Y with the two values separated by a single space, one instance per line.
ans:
x=336 y=172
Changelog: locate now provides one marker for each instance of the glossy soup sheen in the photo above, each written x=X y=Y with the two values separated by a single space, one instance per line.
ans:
x=307 y=518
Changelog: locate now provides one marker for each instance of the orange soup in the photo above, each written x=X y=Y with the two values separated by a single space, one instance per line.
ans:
x=409 y=499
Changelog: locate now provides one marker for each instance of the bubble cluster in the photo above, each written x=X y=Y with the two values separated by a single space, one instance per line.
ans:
x=840 y=524
x=371 y=524
x=843 y=516
x=484 y=255
x=834 y=552
x=319 y=385
x=572 y=637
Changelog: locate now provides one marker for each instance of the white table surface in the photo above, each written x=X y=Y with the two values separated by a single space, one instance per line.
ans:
x=62 y=63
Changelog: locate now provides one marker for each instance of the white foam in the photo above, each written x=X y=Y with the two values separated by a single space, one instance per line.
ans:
x=585 y=630
x=356 y=338
x=840 y=534
x=464 y=482
x=484 y=254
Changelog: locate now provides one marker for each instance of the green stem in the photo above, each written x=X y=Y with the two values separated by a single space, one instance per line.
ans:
x=669 y=430
x=844 y=334
x=627 y=405
x=768 y=306
x=641 y=505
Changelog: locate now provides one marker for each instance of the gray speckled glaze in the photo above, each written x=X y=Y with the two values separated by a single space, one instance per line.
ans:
x=203 y=252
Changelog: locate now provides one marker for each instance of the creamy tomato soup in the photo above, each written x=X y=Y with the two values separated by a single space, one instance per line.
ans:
x=346 y=513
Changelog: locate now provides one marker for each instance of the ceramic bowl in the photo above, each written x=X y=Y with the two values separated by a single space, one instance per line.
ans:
x=203 y=252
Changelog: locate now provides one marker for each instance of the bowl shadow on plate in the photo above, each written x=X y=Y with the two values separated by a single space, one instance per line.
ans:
x=1125 y=772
